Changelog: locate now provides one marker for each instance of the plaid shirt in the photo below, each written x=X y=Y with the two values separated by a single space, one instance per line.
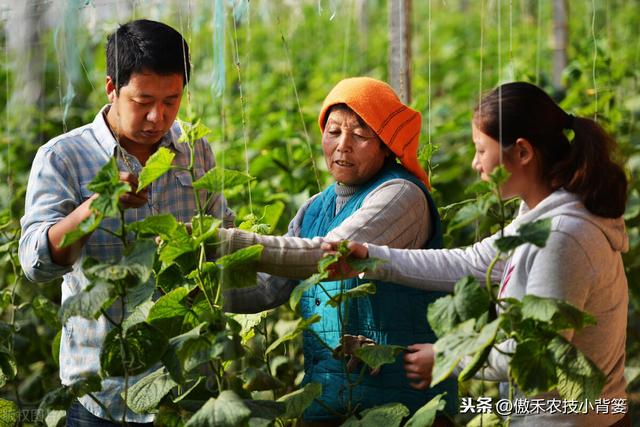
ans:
x=57 y=184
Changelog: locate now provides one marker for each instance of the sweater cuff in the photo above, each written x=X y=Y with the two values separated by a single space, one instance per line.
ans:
x=383 y=271
x=233 y=239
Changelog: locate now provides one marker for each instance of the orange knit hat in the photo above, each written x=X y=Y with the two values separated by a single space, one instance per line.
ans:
x=397 y=125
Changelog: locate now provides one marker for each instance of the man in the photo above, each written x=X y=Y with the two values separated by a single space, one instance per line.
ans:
x=147 y=69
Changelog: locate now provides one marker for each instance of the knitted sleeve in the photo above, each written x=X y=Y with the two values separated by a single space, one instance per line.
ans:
x=395 y=214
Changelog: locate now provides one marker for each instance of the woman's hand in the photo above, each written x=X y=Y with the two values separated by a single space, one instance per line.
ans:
x=342 y=269
x=418 y=363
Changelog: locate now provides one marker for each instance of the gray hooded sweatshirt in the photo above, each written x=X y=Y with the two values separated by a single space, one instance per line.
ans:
x=580 y=263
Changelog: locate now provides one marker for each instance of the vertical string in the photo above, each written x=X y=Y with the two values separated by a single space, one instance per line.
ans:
x=304 y=125
x=511 y=66
x=245 y=125
x=347 y=38
x=429 y=78
x=481 y=50
x=6 y=113
x=595 y=58
x=500 y=79
x=538 y=41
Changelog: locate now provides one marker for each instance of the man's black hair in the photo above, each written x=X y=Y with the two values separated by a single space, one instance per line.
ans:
x=145 y=45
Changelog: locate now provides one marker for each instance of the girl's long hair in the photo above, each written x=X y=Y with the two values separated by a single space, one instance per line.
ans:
x=583 y=166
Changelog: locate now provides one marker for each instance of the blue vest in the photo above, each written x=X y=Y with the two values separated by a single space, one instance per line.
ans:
x=395 y=314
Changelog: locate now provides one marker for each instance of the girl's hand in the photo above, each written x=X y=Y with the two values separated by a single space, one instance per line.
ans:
x=418 y=363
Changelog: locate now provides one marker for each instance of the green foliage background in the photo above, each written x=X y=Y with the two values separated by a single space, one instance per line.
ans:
x=280 y=59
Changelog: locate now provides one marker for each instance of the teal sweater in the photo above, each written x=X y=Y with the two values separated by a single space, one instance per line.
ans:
x=394 y=315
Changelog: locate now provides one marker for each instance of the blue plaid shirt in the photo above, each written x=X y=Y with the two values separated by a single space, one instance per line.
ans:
x=57 y=184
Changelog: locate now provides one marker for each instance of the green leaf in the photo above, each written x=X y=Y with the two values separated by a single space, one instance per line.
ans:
x=87 y=226
x=536 y=233
x=499 y=176
x=486 y=420
x=367 y=264
x=249 y=322
x=88 y=302
x=532 y=367
x=88 y=384
x=298 y=401
x=139 y=258
x=389 y=415
x=442 y=315
x=157 y=225
x=227 y=410
x=470 y=299
x=375 y=356
x=359 y=291
x=461 y=341
x=143 y=345
x=302 y=287
x=426 y=415
x=178 y=349
x=272 y=214
x=109 y=187
x=46 y=311
x=145 y=395
x=263 y=412
x=557 y=314
x=239 y=268
x=157 y=165
x=259 y=380
x=191 y=132
x=55 y=347
x=215 y=180
x=205 y=227
x=8 y=368
x=138 y=315
x=9 y=413
x=171 y=315
x=300 y=327
x=578 y=377
x=178 y=242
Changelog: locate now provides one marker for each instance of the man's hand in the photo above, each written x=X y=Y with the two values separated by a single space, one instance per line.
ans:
x=348 y=345
x=418 y=363
x=132 y=199
x=342 y=269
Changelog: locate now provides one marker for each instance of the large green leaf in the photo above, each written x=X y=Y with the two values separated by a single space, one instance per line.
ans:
x=299 y=400
x=536 y=233
x=86 y=226
x=533 y=368
x=258 y=380
x=239 y=268
x=442 y=315
x=156 y=225
x=204 y=228
x=301 y=326
x=178 y=242
x=557 y=314
x=217 y=179
x=263 y=412
x=145 y=395
x=302 y=287
x=461 y=341
x=389 y=415
x=227 y=410
x=470 y=299
x=8 y=367
x=109 y=187
x=578 y=377
x=88 y=302
x=191 y=132
x=426 y=415
x=375 y=356
x=157 y=165
x=178 y=347
x=359 y=291
x=171 y=315
x=143 y=345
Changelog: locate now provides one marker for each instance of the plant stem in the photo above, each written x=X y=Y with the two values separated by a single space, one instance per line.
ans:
x=104 y=408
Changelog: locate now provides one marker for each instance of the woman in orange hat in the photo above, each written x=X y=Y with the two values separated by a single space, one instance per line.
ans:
x=381 y=194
